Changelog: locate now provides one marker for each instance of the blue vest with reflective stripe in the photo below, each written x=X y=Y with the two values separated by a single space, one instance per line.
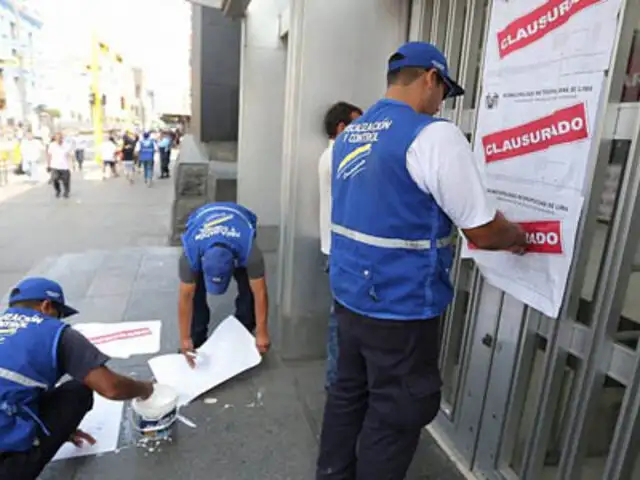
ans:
x=390 y=242
x=226 y=223
x=28 y=366
x=147 y=150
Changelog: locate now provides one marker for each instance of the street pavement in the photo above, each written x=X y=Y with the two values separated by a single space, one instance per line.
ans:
x=107 y=246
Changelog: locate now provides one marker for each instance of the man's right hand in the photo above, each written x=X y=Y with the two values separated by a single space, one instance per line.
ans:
x=520 y=245
x=186 y=348
x=148 y=386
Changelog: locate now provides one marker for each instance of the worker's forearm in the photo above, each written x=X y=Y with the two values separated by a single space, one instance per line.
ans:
x=261 y=303
x=185 y=312
x=126 y=388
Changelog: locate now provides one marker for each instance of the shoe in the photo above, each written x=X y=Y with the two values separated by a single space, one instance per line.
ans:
x=57 y=194
x=66 y=195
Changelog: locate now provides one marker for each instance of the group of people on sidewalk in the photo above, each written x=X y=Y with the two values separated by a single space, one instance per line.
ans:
x=396 y=183
x=135 y=153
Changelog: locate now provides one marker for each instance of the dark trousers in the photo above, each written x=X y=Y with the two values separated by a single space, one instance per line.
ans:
x=61 y=411
x=61 y=177
x=165 y=158
x=80 y=158
x=387 y=389
x=201 y=315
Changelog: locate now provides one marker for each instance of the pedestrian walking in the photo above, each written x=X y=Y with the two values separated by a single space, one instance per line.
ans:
x=31 y=151
x=164 y=147
x=58 y=165
x=336 y=120
x=147 y=149
x=401 y=180
x=38 y=413
x=109 y=157
x=79 y=150
x=127 y=148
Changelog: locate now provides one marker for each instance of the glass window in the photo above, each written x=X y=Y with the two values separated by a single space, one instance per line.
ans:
x=600 y=429
x=524 y=414
x=524 y=411
x=625 y=104
x=455 y=329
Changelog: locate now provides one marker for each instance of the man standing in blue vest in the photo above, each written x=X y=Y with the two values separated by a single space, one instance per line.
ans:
x=147 y=149
x=219 y=244
x=401 y=180
x=38 y=415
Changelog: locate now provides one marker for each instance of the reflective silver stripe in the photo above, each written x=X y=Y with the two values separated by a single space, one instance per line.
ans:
x=384 y=242
x=20 y=379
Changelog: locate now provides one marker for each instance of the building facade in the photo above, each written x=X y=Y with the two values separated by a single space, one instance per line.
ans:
x=525 y=396
x=20 y=62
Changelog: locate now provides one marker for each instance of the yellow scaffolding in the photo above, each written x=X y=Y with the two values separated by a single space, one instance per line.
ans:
x=96 y=107
x=98 y=50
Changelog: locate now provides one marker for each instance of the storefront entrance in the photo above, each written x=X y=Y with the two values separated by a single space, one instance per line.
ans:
x=532 y=397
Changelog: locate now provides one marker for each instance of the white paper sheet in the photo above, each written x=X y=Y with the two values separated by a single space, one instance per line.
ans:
x=229 y=351
x=553 y=36
x=121 y=340
x=551 y=215
x=103 y=423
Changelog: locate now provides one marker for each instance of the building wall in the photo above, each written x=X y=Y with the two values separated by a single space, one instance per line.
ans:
x=330 y=58
x=216 y=75
x=263 y=76
x=19 y=51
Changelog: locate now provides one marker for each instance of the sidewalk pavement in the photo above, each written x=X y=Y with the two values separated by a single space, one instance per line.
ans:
x=105 y=245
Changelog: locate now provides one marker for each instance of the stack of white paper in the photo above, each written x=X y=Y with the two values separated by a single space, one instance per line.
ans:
x=229 y=351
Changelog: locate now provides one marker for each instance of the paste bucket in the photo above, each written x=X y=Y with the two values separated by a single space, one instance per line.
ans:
x=153 y=418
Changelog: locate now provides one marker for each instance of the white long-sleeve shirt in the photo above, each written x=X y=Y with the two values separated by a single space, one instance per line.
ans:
x=324 y=176
x=31 y=150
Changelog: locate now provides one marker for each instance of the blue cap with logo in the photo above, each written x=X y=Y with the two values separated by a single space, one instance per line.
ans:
x=218 y=264
x=425 y=55
x=38 y=288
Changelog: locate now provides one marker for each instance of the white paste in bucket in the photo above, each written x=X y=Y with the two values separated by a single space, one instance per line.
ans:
x=154 y=416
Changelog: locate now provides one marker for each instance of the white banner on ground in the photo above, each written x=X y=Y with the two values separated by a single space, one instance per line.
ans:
x=229 y=351
x=103 y=423
x=123 y=339
x=550 y=36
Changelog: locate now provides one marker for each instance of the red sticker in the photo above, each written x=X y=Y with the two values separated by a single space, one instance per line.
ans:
x=562 y=126
x=543 y=236
x=534 y=25
x=124 y=334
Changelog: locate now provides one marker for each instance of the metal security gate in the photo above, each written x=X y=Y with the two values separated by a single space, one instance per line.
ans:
x=531 y=397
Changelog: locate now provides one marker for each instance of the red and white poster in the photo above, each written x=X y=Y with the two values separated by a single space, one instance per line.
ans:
x=549 y=215
x=542 y=94
x=553 y=36
x=538 y=130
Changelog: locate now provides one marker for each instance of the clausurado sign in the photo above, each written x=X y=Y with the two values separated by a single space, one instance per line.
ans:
x=562 y=126
x=542 y=237
x=536 y=24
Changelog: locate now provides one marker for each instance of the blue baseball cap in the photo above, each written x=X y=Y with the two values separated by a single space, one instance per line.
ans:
x=425 y=55
x=218 y=264
x=38 y=288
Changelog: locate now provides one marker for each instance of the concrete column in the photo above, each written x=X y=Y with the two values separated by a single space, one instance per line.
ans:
x=262 y=92
x=338 y=50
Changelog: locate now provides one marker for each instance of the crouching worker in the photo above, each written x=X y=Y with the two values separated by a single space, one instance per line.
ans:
x=37 y=416
x=219 y=243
